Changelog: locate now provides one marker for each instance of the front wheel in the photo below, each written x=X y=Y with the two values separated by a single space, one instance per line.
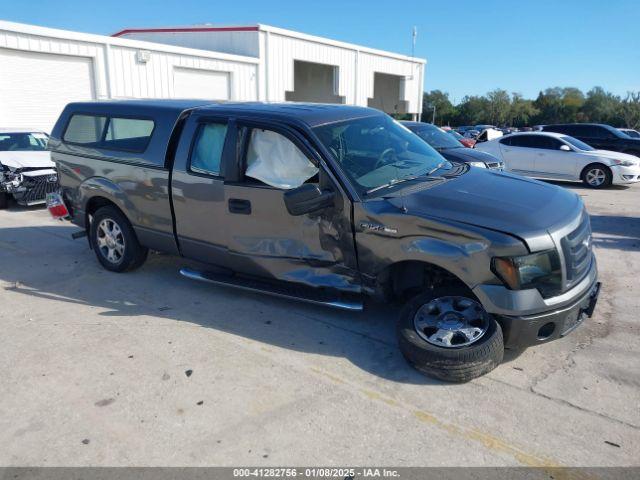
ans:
x=597 y=176
x=448 y=335
x=114 y=241
x=4 y=200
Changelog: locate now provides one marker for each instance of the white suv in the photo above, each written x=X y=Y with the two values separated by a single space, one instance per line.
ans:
x=555 y=156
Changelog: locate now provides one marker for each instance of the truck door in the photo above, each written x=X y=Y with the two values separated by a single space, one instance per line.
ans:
x=263 y=238
x=197 y=189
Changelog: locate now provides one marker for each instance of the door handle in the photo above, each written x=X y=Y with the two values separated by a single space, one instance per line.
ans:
x=240 y=206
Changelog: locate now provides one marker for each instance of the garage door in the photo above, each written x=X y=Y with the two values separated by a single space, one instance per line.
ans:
x=35 y=87
x=192 y=83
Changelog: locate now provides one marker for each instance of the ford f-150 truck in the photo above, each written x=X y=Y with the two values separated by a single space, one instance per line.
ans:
x=329 y=204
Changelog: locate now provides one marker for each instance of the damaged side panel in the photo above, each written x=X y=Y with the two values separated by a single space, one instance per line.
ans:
x=463 y=252
x=315 y=250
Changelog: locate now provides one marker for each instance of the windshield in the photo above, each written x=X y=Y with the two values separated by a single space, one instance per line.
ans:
x=455 y=134
x=23 y=142
x=377 y=151
x=437 y=138
x=578 y=144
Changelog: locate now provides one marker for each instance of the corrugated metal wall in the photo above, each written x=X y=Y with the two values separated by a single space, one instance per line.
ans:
x=277 y=50
x=119 y=74
x=281 y=51
x=154 y=79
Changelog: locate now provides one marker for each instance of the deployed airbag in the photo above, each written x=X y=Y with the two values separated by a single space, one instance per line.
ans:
x=275 y=160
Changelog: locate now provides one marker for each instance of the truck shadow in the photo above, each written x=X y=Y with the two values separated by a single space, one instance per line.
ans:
x=616 y=232
x=43 y=262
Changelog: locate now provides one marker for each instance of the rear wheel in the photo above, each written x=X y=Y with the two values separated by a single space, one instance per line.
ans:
x=597 y=175
x=4 y=200
x=114 y=241
x=448 y=335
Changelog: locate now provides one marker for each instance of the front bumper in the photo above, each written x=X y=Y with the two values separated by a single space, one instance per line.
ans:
x=624 y=175
x=31 y=188
x=524 y=331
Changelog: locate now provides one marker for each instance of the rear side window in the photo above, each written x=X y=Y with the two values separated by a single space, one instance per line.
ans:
x=130 y=134
x=529 y=141
x=85 y=129
x=111 y=133
x=207 y=151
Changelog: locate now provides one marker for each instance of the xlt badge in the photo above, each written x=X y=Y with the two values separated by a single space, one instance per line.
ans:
x=376 y=227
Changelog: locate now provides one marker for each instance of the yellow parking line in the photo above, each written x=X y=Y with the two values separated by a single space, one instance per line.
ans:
x=487 y=440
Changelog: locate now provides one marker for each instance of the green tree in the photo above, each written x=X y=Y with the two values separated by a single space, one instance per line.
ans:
x=472 y=110
x=444 y=109
x=499 y=106
x=630 y=110
x=522 y=111
x=602 y=107
x=572 y=102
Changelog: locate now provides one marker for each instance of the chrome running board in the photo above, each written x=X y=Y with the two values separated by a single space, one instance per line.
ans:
x=282 y=290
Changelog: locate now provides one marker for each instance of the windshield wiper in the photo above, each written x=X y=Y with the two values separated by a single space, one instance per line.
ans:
x=437 y=167
x=393 y=182
x=396 y=181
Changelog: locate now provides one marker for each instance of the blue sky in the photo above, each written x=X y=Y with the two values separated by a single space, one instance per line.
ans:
x=471 y=46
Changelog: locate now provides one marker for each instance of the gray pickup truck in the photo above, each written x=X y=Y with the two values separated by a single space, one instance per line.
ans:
x=330 y=204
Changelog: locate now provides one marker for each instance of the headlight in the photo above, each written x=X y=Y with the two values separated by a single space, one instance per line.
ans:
x=477 y=164
x=625 y=163
x=539 y=270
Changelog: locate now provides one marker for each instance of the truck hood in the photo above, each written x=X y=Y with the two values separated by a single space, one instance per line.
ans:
x=525 y=208
x=467 y=155
x=32 y=159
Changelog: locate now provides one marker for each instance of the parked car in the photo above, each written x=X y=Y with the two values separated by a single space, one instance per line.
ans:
x=482 y=127
x=603 y=137
x=329 y=204
x=26 y=171
x=467 y=142
x=473 y=133
x=630 y=132
x=555 y=156
x=450 y=148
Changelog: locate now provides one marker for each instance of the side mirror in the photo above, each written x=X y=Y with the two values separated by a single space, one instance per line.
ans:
x=565 y=148
x=307 y=198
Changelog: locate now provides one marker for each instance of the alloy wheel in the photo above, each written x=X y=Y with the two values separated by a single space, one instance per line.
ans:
x=110 y=241
x=451 y=322
x=596 y=177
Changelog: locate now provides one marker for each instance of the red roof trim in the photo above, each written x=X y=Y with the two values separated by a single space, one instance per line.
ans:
x=185 y=29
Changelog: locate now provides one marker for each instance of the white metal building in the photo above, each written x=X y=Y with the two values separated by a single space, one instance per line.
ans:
x=43 y=69
x=299 y=67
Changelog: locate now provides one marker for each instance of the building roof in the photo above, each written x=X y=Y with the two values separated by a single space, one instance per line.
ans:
x=267 y=28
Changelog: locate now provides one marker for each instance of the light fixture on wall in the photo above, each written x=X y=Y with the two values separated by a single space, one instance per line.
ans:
x=143 y=56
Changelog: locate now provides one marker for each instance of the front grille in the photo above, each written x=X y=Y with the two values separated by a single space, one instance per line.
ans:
x=37 y=188
x=577 y=251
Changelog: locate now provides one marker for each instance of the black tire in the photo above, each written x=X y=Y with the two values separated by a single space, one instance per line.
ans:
x=459 y=364
x=4 y=200
x=134 y=254
x=607 y=173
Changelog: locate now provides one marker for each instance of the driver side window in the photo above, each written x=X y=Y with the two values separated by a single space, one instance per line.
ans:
x=275 y=160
